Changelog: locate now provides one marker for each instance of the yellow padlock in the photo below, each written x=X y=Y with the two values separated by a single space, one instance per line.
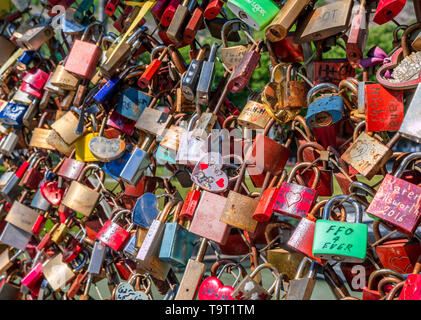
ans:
x=83 y=153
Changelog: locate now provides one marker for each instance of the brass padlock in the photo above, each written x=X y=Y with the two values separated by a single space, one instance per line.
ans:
x=35 y=37
x=254 y=115
x=39 y=135
x=63 y=79
x=80 y=197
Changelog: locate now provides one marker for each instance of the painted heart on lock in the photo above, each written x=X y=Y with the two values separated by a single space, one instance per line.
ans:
x=293 y=198
x=107 y=149
x=213 y=289
x=125 y=291
x=51 y=192
x=208 y=174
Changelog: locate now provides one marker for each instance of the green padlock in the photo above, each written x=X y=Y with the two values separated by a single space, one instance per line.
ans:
x=341 y=241
x=256 y=13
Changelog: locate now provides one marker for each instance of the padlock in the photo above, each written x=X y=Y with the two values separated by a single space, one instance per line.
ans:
x=204 y=84
x=257 y=15
x=212 y=287
x=12 y=114
x=113 y=235
x=177 y=241
x=15 y=237
x=357 y=39
x=9 y=290
x=302 y=238
x=325 y=21
x=394 y=206
x=184 y=10
x=63 y=79
x=238 y=210
x=293 y=199
x=325 y=186
x=39 y=135
x=35 y=37
x=340 y=241
x=325 y=110
x=249 y=289
x=132 y=103
x=22 y=216
x=384 y=108
x=410 y=289
x=231 y=56
x=245 y=68
x=33 y=176
x=301 y=288
x=84 y=56
x=388 y=10
x=284 y=20
x=125 y=291
x=169 y=13
x=81 y=198
x=34 y=81
x=397 y=254
x=190 y=79
x=283 y=259
x=253 y=115
x=153 y=67
x=70 y=168
x=57 y=273
x=409 y=127
x=194 y=24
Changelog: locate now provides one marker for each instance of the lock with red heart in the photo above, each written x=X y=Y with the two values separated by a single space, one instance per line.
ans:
x=52 y=192
x=212 y=287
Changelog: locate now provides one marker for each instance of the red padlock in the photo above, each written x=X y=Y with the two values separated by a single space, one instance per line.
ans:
x=151 y=70
x=295 y=200
x=287 y=50
x=193 y=26
x=213 y=9
x=114 y=235
x=111 y=7
x=159 y=8
x=369 y=291
x=411 y=289
x=387 y=10
x=169 y=13
x=190 y=204
x=397 y=254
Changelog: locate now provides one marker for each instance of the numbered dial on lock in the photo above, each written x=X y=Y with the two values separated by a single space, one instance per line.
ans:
x=208 y=174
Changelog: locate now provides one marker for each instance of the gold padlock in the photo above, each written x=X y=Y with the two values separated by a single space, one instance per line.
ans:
x=254 y=115
x=80 y=197
x=64 y=79
x=39 y=135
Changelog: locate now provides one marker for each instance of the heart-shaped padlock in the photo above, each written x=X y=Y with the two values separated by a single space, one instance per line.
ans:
x=145 y=210
x=51 y=192
x=125 y=290
x=208 y=174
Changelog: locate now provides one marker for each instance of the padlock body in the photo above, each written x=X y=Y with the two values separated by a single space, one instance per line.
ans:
x=397 y=202
x=325 y=111
x=399 y=254
x=340 y=241
x=113 y=235
x=83 y=59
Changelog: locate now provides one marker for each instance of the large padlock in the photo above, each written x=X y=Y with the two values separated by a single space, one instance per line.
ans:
x=22 y=216
x=81 y=198
x=397 y=202
x=84 y=56
x=340 y=241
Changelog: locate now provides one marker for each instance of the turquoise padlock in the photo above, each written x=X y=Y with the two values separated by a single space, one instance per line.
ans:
x=325 y=110
x=177 y=242
x=341 y=241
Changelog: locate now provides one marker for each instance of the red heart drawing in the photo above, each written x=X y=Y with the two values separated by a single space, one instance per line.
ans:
x=402 y=264
x=213 y=289
x=293 y=198
x=204 y=166
x=220 y=183
x=51 y=192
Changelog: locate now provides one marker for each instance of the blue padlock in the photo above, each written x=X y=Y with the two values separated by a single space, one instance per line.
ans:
x=114 y=168
x=107 y=90
x=325 y=110
x=177 y=243
x=12 y=114
x=26 y=57
x=132 y=103
x=133 y=171
x=145 y=210
x=164 y=155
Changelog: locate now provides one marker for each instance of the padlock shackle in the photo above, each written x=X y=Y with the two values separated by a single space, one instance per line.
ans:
x=136 y=275
x=301 y=267
x=356 y=186
x=339 y=199
x=313 y=145
x=88 y=30
x=92 y=167
x=274 y=225
x=225 y=32
x=322 y=87
x=406 y=162
x=405 y=37
x=308 y=135
x=301 y=165
x=382 y=272
x=270 y=266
